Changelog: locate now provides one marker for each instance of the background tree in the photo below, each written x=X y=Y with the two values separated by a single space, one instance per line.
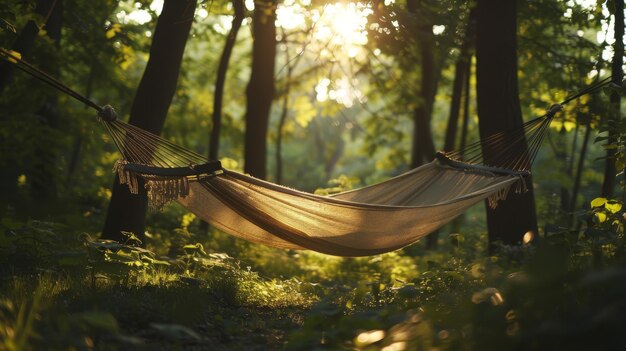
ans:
x=24 y=42
x=617 y=71
x=42 y=172
x=127 y=211
x=220 y=81
x=423 y=147
x=461 y=77
x=499 y=109
x=260 y=91
x=46 y=14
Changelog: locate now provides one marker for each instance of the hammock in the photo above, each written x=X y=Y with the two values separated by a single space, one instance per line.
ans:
x=366 y=221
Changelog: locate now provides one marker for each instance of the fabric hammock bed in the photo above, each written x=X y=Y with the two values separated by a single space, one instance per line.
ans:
x=371 y=220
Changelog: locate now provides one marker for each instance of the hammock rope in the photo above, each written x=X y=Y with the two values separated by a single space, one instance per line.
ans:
x=365 y=221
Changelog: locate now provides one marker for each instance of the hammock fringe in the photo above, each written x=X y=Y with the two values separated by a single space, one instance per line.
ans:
x=520 y=188
x=126 y=177
x=161 y=190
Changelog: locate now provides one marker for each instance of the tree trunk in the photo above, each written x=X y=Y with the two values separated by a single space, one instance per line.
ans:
x=499 y=110
x=423 y=148
x=78 y=139
x=26 y=39
x=42 y=174
x=466 y=105
x=127 y=212
x=460 y=71
x=578 y=177
x=455 y=105
x=284 y=113
x=218 y=97
x=566 y=199
x=279 y=132
x=618 y=74
x=22 y=44
x=260 y=90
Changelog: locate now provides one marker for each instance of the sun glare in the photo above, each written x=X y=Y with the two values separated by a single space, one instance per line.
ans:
x=338 y=24
x=339 y=35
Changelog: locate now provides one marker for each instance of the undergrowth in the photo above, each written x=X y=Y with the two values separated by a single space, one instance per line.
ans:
x=63 y=289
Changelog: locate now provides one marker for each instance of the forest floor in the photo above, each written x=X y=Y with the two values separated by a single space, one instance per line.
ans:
x=61 y=289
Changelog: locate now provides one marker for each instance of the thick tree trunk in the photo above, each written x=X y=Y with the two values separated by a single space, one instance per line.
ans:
x=618 y=75
x=127 y=212
x=423 y=148
x=260 y=90
x=499 y=109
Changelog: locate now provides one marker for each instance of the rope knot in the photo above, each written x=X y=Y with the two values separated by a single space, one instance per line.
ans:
x=554 y=109
x=107 y=113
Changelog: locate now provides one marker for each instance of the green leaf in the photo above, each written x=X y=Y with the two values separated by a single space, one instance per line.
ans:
x=195 y=248
x=610 y=146
x=600 y=138
x=131 y=239
x=598 y=202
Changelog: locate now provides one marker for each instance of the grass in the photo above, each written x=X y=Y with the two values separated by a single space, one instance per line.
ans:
x=62 y=290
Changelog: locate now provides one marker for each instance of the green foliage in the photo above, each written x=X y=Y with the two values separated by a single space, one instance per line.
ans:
x=61 y=288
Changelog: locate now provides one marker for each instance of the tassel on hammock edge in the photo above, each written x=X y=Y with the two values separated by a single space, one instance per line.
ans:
x=520 y=188
x=126 y=177
x=161 y=190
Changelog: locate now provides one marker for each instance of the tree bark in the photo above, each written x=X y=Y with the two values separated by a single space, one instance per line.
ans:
x=220 y=82
x=260 y=90
x=42 y=175
x=78 y=139
x=423 y=148
x=499 y=110
x=279 y=130
x=455 y=105
x=460 y=71
x=579 y=172
x=466 y=105
x=618 y=75
x=24 y=42
x=127 y=212
x=218 y=97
